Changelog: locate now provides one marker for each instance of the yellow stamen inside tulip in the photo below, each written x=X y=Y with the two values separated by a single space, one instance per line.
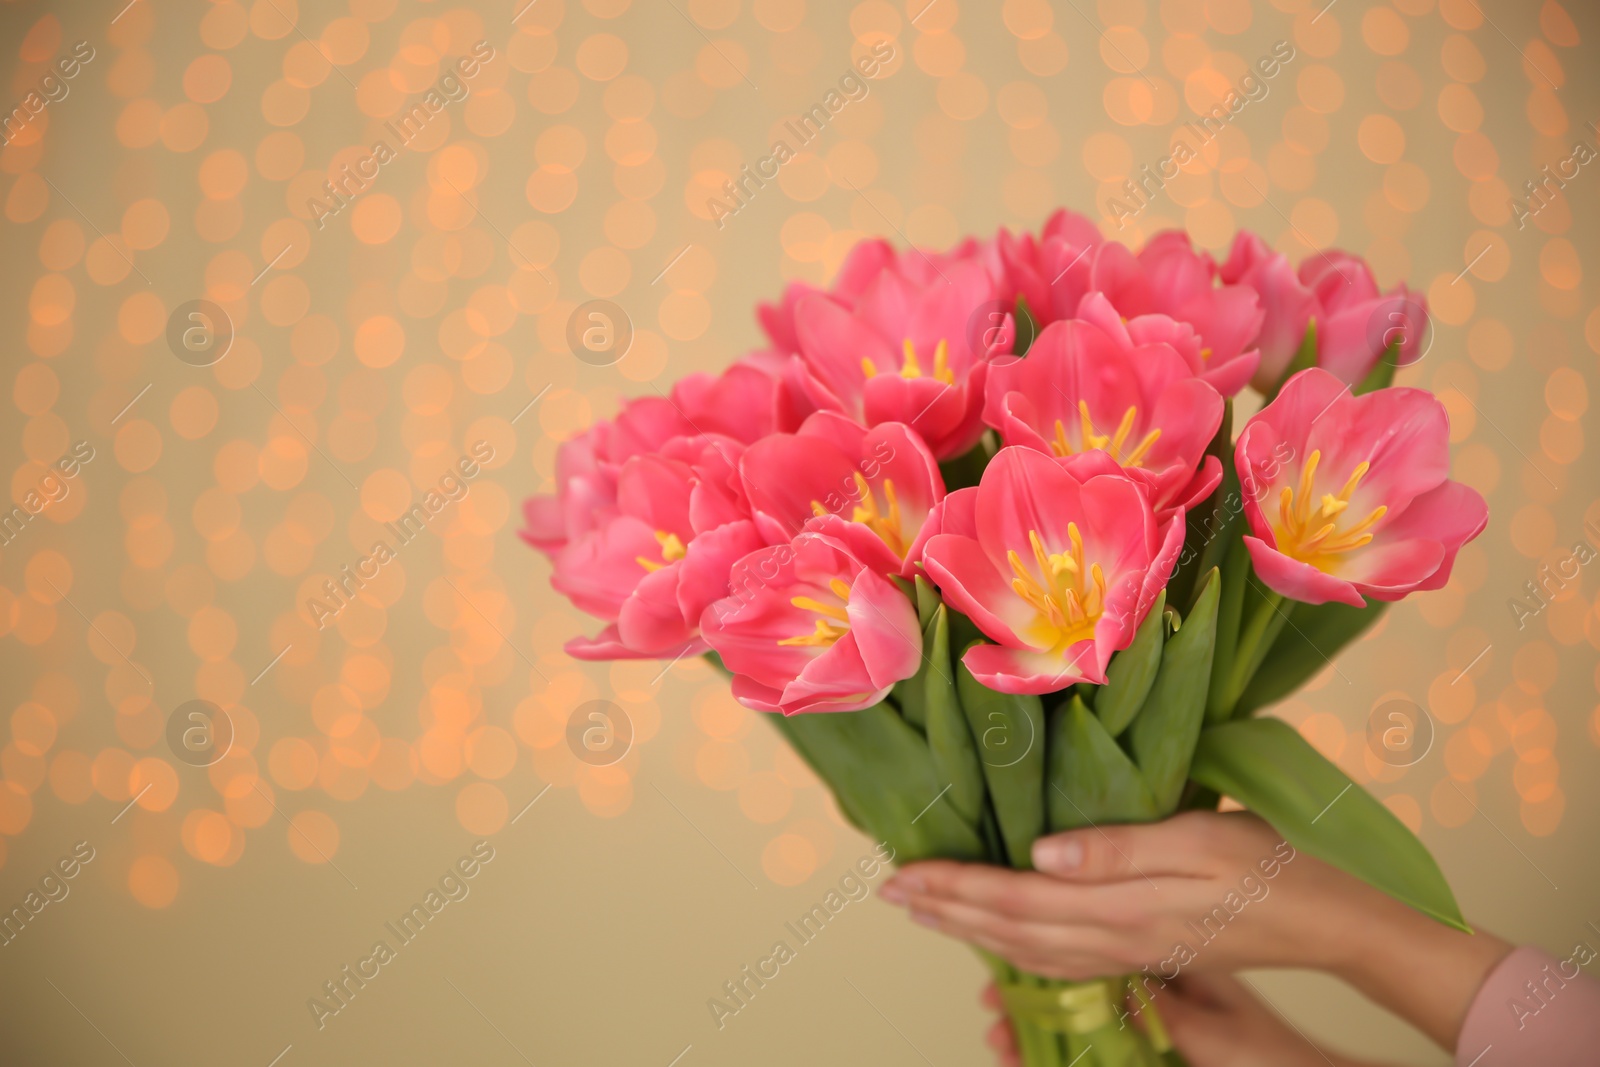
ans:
x=1205 y=353
x=882 y=520
x=1315 y=536
x=911 y=366
x=834 y=623
x=1112 y=442
x=1068 y=596
x=672 y=550
x=885 y=523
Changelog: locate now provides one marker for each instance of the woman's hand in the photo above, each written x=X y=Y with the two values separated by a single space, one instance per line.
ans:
x=1214 y=1021
x=1201 y=893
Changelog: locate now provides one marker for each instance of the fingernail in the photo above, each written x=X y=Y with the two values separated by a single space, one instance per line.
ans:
x=1058 y=855
x=925 y=918
x=911 y=882
x=893 y=893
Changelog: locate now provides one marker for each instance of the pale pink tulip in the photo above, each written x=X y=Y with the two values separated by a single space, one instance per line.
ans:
x=1058 y=572
x=809 y=628
x=1364 y=506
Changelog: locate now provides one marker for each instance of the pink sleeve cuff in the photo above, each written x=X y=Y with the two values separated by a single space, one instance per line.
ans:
x=1534 y=1009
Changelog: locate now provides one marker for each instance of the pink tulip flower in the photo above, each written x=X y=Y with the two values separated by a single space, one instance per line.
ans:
x=1364 y=507
x=739 y=403
x=1170 y=277
x=868 y=489
x=661 y=554
x=902 y=353
x=1058 y=572
x=586 y=472
x=861 y=267
x=809 y=628
x=1051 y=271
x=1356 y=323
x=1089 y=388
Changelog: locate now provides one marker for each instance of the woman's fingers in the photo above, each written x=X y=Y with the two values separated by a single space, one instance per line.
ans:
x=1191 y=845
x=1216 y=1020
x=979 y=884
x=1025 y=895
x=1000 y=1036
x=1004 y=1042
x=1051 y=951
x=965 y=921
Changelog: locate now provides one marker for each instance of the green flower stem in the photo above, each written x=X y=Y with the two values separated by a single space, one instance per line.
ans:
x=1255 y=640
x=1058 y=1023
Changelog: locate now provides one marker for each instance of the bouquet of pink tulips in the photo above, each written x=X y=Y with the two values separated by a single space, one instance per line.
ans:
x=975 y=528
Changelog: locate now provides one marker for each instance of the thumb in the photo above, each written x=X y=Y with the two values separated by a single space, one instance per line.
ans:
x=1171 y=847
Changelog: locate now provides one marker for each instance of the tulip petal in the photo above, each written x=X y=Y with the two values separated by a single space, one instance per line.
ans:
x=650 y=620
x=1025 y=492
x=608 y=646
x=1296 y=580
x=1391 y=569
x=883 y=623
x=1024 y=671
x=969 y=582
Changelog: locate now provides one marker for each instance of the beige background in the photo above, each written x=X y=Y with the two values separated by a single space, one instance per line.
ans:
x=373 y=352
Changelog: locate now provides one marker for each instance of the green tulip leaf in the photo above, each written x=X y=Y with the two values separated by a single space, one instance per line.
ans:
x=1163 y=735
x=1268 y=767
x=955 y=757
x=1304 y=359
x=1307 y=645
x=1091 y=779
x=1381 y=376
x=1132 y=672
x=1010 y=734
x=882 y=773
x=927 y=601
x=1230 y=611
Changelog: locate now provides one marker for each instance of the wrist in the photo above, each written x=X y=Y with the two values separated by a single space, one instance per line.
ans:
x=1410 y=964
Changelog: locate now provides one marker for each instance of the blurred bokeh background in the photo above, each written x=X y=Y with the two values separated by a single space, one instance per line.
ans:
x=190 y=475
